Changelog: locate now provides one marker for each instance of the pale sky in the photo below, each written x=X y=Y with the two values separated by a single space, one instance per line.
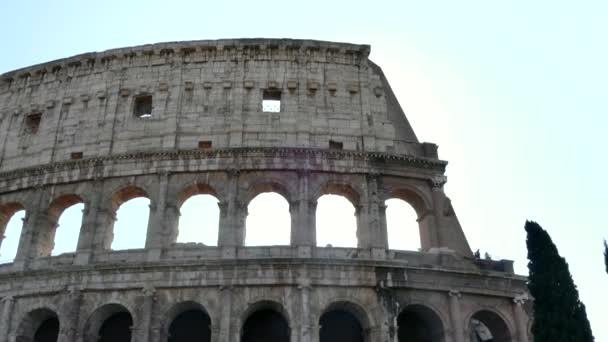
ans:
x=513 y=92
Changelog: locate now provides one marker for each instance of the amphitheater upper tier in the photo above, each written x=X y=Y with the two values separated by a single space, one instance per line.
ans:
x=203 y=93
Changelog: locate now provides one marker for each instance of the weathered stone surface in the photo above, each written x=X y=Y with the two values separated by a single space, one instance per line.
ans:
x=340 y=130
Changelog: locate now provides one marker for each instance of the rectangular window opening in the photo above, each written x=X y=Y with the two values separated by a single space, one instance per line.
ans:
x=335 y=145
x=76 y=155
x=143 y=107
x=32 y=122
x=204 y=144
x=271 y=101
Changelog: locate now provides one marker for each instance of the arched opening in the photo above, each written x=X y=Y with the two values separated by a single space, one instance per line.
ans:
x=192 y=325
x=116 y=328
x=265 y=325
x=11 y=223
x=41 y=325
x=336 y=223
x=487 y=326
x=132 y=207
x=340 y=325
x=199 y=220
x=65 y=216
x=268 y=220
x=402 y=226
x=109 y=323
x=418 y=323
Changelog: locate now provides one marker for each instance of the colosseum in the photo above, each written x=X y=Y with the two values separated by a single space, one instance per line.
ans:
x=232 y=119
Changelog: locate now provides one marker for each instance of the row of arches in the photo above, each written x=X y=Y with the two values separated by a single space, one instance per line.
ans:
x=268 y=222
x=263 y=321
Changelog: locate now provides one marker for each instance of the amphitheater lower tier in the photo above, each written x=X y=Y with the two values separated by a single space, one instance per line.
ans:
x=234 y=294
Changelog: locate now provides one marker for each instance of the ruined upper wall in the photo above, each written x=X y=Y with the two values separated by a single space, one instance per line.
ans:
x=204 y=93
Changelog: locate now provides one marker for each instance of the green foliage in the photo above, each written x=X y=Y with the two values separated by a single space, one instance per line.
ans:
x=606 y=255
x=559 y=315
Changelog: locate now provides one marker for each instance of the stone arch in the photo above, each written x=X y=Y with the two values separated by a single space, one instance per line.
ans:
x=339 y=188
x=351 y=315
x=423 y=208
x=348 y=233
x=119 y=197
x=7 y=210
x=492 y=321
x=46 y=237
x=193 y=189
x=420 y=323
x=267 y=185
x=421 y=203
x=126 y=193
x=40 y=325
x=101 y=315
x=186 y=193
x=181 y=308
x=272 y=310
x=259 y=194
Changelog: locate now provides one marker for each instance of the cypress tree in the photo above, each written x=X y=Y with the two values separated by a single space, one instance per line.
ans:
x=606 y=255
x=559 y=315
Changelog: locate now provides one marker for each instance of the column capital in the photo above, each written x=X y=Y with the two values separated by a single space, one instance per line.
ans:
x=455 y=293
x=520 y=299
x=437 y=182
x=149 y=291
x=8 y=299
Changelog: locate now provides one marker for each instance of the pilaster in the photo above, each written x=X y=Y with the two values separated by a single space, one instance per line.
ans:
x=456 y=316
x=8 y=303
x=520 y=317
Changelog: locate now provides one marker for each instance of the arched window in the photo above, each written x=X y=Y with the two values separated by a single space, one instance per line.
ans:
x=65 y=214
x=131 y=224
x=402 y=226
x=336 y=223
x=11 y=222
x=199 y=220
x=487 y=326
x=340 y=325
x=132 y=211
x=268 y=221
x=40 y=325
x=418 y=323
x=265 y=325
x=192 y=325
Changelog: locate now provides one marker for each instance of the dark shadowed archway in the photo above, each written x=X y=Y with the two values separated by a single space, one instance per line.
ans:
x=418 y=323
x=190 y=326
x=40 y=325
x=264 y=326
x=339 y=325
x=116 y=328
x=487 y=326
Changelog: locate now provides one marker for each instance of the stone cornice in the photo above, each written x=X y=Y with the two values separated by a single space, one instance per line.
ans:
x=208 y=50
x=235 y=153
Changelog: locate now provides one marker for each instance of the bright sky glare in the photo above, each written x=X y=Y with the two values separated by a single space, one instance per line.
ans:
x=513 y=92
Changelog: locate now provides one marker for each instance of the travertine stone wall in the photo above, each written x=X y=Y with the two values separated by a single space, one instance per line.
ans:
x=69 y=135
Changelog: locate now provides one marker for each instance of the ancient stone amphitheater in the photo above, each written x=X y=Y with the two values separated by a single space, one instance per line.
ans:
x=169 y=121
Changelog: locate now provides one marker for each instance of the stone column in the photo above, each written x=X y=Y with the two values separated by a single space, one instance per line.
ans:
x=225 y=315
x=160 y=225
x=5 y=324
x=34 y=217
x=142 y=331
x=233 y=215
x=302 y=209
x=520 y=318
x=69 y=325
x=85 y=248
x=306 y=328
x=371 y=228
x=456 y=316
